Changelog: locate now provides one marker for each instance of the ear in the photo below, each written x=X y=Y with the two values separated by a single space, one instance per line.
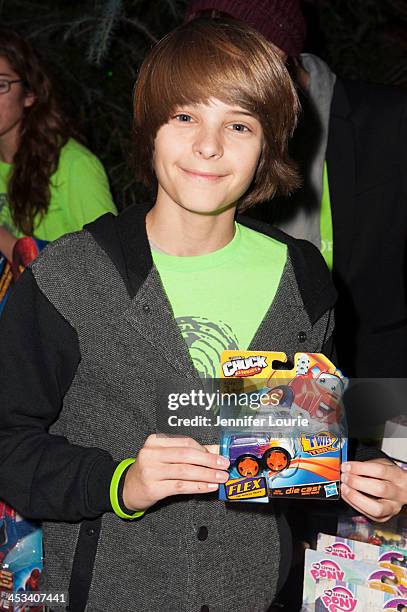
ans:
x=29 y=99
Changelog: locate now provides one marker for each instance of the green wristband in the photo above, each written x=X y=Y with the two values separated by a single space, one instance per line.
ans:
x=114 y=486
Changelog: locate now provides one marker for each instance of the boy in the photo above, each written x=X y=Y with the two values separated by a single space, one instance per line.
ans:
x=104 y=310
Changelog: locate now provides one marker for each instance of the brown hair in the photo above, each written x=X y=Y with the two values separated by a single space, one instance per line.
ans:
x=230 y=61
x=44 y=130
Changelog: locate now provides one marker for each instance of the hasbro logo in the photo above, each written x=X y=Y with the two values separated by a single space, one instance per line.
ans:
x=331 y=489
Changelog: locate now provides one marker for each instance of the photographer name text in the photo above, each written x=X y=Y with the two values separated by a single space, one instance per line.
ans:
x=246 y=421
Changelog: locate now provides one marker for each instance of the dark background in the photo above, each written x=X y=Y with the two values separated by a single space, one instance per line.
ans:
x=94 y=49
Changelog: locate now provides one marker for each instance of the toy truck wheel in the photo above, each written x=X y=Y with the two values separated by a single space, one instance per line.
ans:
x=247 y=465
x=276 y=459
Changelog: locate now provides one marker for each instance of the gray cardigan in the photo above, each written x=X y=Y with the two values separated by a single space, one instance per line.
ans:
x=102 y=290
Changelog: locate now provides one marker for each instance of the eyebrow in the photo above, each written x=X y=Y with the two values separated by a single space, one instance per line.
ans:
x=5 y=74
x=240 y=112
x=233 y=111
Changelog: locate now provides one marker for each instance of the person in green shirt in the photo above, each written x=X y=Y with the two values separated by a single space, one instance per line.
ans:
x=50 y=184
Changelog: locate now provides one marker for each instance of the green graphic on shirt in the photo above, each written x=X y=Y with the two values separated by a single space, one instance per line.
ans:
x=206 y=340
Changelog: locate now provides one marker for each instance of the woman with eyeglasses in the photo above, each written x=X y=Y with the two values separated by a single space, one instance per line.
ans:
x=50 y=184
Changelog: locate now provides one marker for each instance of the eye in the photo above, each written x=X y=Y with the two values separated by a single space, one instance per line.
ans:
x=239 y=127
x=183 y=117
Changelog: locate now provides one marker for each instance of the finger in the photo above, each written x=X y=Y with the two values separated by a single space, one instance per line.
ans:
x=185 y=487
x=213 y=448
x=372 y=486
x=374 y=469
x=194 y=473
x=361 y=511
x=188 y=455
x=349 y=498
x=368 y=505
x=161 y=440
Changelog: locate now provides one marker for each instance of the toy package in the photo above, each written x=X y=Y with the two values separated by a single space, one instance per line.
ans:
x=20 y=562
x=332 y=597
x=25 y=251
x=321 y=567
x=285 y=435
x=385 y=556
x=5 y=280
x=391 y=533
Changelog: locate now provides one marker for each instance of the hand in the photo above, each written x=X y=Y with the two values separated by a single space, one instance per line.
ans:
x=377 y=488
x=170 y=466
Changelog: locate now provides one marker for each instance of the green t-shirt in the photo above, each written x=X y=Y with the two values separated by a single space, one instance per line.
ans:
x=326 y=221
x=79 y=194
x=220 y=299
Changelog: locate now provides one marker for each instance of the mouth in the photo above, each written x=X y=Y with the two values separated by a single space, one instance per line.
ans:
x=205 y=176
x=324 y=410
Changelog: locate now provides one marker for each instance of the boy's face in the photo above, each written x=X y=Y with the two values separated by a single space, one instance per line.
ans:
x=206 y=156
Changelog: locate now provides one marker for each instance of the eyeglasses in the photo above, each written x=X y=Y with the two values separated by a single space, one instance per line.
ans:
x=5 y=86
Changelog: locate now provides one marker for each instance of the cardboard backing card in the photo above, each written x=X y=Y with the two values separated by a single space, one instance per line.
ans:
x=288 y=438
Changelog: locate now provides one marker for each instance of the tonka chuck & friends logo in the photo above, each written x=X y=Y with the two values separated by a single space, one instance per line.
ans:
x=244 y=366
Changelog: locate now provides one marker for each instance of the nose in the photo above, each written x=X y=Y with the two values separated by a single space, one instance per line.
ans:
x=208 y=143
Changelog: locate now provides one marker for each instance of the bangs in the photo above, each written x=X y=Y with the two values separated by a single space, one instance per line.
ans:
x=192 y=65
x=202 y=68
